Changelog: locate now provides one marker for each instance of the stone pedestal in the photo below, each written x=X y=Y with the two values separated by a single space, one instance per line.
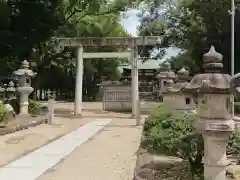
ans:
x=23 y=96
x=215 y=159
x=167 y=99
x=182 y=102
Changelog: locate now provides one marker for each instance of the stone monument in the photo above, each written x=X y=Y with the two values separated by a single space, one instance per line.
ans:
x=24 y=85
x=214 y=114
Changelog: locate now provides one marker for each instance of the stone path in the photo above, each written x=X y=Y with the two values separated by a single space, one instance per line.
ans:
x=34 y=164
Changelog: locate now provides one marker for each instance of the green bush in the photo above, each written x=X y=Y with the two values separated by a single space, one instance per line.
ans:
x=173 y=133
x=34 y=107
x=2 y=112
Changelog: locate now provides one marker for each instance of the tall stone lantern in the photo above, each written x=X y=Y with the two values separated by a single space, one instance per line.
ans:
x=166 y=78
x=24 y=85
x=180 y=101
x=2 y=94
x=214 y=114
x=11 y=91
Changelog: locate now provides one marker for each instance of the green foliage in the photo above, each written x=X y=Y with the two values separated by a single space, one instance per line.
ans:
x=34 y=107
x=193 y=26
x=173 y=133
x=27 y=28
x=234 y=143
x=185 y=60
x=160 y=113
x=2 y=112
x=28 y=23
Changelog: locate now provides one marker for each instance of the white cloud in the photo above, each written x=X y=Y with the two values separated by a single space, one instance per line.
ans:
x=130 y=21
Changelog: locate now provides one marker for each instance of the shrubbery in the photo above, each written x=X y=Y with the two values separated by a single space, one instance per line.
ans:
x=2 y=112
x=173 y=133
x=34 y=107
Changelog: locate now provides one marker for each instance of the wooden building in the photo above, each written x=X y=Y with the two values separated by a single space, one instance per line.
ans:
x=147 y=70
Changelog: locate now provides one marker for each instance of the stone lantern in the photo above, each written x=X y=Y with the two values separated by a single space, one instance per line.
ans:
x=235 y=85
x=11 y=91
x=24 y=89
x=214 y=114
x=167 y=97
x=2 y=94
x=180 y=101
x=166 y=77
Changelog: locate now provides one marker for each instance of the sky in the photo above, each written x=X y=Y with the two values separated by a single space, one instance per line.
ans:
x=130 y=22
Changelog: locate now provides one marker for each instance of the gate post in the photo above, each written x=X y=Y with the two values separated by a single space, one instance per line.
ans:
x=134 y=75
x=79 y=82
x=51 y=103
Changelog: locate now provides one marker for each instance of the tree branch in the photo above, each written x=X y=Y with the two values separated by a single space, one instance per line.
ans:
x=93 y=14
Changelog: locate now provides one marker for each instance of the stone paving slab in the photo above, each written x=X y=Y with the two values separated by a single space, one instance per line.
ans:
x=36 y=163
x=109 y=155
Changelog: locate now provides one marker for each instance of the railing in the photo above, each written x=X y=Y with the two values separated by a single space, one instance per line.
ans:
x=117 y=98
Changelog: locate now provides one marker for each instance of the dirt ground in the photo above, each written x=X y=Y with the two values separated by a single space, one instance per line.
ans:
x=112 y=152
x=108 y=155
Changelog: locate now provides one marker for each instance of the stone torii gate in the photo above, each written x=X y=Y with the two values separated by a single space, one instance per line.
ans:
x=131 y=54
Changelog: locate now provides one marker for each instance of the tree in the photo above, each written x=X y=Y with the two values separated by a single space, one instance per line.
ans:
x=26 y=24
x=48 y=56
x=195 y=25
x=185 y=60
x=99 y=26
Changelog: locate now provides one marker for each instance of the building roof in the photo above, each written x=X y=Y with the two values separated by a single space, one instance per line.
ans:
x=148 y=64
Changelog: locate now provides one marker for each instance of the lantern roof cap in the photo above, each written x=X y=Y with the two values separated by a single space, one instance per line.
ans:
x=212 y=81
x=24 y=71
x=182 y=75
x=212 y=61
x=11 y=87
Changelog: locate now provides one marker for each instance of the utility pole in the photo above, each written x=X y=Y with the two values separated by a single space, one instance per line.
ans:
x=232 y=12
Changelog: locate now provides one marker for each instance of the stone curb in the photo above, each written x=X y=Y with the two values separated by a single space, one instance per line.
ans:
x=8 y=130
x=139 y=151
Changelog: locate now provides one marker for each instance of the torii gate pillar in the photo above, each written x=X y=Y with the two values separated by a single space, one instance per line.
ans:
x=135 y=88
x=79 y=82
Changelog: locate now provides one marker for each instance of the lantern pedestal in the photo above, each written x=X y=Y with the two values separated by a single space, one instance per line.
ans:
x=23 y=94
x=215 y=159
x=216 y=124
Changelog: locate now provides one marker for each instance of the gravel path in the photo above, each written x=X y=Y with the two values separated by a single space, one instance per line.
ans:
x=109 y=155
